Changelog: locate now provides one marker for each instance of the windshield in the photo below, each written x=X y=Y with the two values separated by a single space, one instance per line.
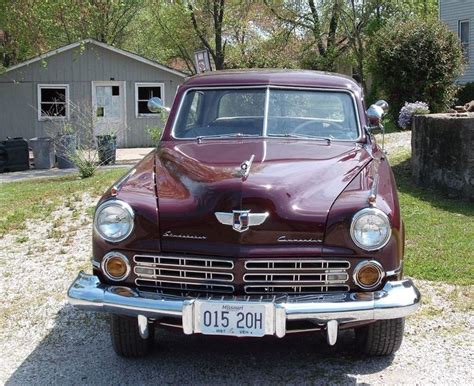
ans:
x=267 y=112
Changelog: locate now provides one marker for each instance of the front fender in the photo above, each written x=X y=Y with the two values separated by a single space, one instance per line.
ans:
x=354 y=198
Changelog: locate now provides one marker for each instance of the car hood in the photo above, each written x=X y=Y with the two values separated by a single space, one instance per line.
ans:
x=294 y=181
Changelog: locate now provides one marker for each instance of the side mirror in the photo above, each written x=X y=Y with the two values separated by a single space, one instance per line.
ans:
x=156 y=105
x=375 y=113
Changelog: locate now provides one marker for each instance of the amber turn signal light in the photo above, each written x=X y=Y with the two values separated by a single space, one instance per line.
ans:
x=115 y=266
x=368 y=274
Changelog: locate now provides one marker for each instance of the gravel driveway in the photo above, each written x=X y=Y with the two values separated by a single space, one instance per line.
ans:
x=44 y=340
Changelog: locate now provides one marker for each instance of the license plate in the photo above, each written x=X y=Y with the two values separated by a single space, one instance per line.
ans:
x=237 y=319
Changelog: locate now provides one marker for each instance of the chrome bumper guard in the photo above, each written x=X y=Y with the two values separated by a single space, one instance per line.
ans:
x=397 y=299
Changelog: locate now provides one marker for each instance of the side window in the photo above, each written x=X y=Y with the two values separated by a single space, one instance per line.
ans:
x=463 y=31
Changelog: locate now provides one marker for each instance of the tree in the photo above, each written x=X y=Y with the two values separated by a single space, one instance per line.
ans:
x=416 y=60
x=104 y=20
x=30 y=27
x=356 y=17
x=160 y=34
x=255 y=38
x=211 y=12
x=318 y=23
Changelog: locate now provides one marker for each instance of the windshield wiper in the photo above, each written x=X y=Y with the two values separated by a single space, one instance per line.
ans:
x=223 y=136
x=292 y=135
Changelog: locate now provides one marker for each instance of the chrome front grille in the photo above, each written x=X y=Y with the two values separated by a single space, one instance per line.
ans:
x=295 y=276
x=196 y=275
x=183 y=274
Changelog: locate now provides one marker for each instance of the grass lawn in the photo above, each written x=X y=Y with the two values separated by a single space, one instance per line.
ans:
x=439 y=231
x=24 y=200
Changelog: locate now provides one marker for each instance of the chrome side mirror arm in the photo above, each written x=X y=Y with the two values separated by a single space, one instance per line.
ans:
x=371 y=130
x=156 y=105
x=375 y=113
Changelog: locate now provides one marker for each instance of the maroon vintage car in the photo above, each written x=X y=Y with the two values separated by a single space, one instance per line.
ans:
x=267 y=209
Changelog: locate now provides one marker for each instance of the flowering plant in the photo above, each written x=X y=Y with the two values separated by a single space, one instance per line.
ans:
x=409 y=110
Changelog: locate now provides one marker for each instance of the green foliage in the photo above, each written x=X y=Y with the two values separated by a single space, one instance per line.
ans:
x=31 y=27
x=155 y=134
x=87 y=168
x=465 y=93
x=269 y=33
x=416 y=60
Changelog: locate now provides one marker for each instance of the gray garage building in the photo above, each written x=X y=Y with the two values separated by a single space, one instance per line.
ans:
x=116 y=84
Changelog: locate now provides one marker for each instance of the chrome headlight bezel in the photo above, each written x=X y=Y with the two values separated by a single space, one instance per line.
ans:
x=127 y=210
x=365 y=263
x=371 y=212
x=121 y=256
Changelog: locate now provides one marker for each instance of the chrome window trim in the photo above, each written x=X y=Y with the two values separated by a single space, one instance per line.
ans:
x=362 y=264
x=107 y=257
x=265 y=112
x=124 y=206
x=267 y=90
x=376 y=212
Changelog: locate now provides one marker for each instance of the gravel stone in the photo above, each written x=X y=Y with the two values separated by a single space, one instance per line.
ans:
x=44 y=340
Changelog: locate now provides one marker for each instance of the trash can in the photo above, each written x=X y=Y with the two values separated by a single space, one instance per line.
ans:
x=43 y=152
x=14 y=155
x=66 y=150
x=107 y=149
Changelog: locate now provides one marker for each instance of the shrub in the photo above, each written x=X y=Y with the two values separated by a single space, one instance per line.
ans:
x=465 y=94
x=409 y=110
x=416 y=60
x=86 y=167
x=155 y=134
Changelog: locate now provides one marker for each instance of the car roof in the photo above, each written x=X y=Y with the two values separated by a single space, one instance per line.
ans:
x=275 y=77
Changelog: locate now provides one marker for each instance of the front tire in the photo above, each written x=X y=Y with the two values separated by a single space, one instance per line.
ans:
x=382 y=338
x=126 y=339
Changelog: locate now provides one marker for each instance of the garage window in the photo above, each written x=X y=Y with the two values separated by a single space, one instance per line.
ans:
x=53 y=101
x=143 y=92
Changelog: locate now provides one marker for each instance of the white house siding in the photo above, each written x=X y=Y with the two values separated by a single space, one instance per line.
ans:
x=453 y=11
x=78 y=67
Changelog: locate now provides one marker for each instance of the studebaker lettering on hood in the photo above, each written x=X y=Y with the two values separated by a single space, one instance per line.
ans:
x=267 y=208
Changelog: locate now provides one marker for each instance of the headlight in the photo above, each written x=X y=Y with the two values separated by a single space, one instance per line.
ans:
x=113 y=220
x=370 y=229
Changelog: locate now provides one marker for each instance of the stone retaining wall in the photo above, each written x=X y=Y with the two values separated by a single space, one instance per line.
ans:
x=443 y=153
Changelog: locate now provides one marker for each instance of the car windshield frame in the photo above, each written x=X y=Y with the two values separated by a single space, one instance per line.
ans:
x=264 y=135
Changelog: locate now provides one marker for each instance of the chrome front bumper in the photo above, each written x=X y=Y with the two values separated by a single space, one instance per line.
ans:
x=397 y=299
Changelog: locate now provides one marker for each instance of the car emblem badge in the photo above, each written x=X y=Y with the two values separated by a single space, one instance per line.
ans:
x=241 y=220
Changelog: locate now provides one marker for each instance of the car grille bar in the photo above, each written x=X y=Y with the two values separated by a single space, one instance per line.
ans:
x=292 y=264
x=296 y=276
x=197 y=275
x=183 y=274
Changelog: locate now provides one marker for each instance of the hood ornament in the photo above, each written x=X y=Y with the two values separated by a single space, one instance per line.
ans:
x=241 y=220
